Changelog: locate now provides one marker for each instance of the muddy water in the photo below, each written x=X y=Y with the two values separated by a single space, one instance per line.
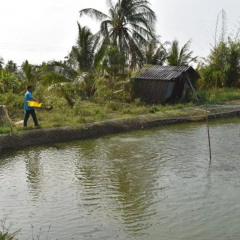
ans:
x=155 y=184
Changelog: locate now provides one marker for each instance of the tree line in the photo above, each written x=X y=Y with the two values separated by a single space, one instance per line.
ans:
x=100 y=65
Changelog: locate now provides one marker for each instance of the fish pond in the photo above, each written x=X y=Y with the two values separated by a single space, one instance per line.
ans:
x=150 y=185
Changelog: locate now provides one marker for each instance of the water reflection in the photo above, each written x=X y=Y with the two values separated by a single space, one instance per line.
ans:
x=142 y=185
x=34 y=171
x=120 y=180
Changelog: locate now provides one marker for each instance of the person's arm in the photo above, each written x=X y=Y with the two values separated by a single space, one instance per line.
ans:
x=35 y=99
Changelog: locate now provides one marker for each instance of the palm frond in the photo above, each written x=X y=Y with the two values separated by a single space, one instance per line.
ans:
x=93 y=13
x=56 y=85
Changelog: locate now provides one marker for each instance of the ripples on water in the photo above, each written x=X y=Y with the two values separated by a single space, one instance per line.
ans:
x=155 y=184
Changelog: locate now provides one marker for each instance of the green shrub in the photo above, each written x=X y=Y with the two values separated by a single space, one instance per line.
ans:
x=221 y=95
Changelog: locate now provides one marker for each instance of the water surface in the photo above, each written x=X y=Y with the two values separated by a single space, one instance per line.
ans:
x=155 y=184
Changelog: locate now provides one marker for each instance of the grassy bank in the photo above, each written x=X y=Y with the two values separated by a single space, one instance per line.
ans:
x=95 y=110
x=89 y=112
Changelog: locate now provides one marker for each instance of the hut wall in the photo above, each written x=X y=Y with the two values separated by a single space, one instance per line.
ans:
x=151 y=91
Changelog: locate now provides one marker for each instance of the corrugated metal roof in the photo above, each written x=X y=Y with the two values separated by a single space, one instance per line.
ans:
x=164 y=72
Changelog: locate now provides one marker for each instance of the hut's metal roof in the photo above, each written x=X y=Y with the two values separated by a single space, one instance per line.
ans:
x=165 y=72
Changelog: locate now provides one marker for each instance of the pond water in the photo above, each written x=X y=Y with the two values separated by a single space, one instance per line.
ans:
x=154 y=184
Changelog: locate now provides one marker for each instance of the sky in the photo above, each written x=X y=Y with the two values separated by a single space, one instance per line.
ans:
x=46 y=30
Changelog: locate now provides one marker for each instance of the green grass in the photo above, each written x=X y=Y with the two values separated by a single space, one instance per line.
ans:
x=89 y=111
x=221 y=95
x=93 y=112
x=8 y=236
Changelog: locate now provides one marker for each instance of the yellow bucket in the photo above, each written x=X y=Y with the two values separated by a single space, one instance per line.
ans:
x=34 y=104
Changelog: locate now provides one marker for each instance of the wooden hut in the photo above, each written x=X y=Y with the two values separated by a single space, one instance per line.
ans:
x=161 y=84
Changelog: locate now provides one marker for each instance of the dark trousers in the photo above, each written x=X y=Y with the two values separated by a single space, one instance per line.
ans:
x=33 y=114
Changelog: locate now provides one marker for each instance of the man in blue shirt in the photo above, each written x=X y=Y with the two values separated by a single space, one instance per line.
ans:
x=29 y=110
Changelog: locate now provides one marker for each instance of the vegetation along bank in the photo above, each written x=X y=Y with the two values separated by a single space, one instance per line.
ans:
x=121 y=78
x=37 y=137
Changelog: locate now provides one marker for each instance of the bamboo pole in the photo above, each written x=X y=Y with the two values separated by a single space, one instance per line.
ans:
x=191 y=86
x=209 y=142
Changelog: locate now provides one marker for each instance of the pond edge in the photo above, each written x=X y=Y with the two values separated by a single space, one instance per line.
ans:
x=38 y=137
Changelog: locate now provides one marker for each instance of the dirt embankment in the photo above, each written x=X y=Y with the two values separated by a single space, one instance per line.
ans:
x=40 y=137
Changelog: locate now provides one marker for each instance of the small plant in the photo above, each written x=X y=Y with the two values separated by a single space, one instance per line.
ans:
x=8 y=236
x=5 y=231
x=138 y=102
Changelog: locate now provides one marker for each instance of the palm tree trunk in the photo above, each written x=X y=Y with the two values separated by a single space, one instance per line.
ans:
x=69 y=100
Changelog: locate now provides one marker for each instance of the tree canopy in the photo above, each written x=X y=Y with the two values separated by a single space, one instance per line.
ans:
x=129 y=25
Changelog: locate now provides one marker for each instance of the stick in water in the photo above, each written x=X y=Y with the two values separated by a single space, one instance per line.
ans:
x=209 y=143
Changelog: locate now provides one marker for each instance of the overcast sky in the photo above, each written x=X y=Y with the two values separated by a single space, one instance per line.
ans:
x=46 y=30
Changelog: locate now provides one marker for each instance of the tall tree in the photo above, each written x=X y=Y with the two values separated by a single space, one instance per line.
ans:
x=58 y=76
x=180 y=57
x=113 y=65
x=222 y=67
x=86 y=57
x=11 y=66
x=86 y=54
x=129 y=26
x=156 y=52
x=29 y=73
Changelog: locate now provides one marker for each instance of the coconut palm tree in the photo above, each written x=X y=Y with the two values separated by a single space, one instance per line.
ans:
x=129 y=26
x=86 y=58
x=29 y=73
x=156 y=52
x=58 y=76
x=79 y=68
x=86 y=55
x=11 y=66
x=180 y=57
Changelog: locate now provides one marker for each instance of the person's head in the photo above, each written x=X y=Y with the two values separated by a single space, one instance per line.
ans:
x=30 y=88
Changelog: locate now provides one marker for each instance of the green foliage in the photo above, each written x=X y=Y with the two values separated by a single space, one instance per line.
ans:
x=86 y=112
x=4 y=128
x=180 y=57
x=222 y=95
x=203 y=96
x=88 y=86
x=8 y=236
x=1 y=63
x=218 y=95
x=129 y=25
x=87 y=54
x=114 y=64
x=30 y=74
x=222 y=67
x=138 y=102
x=8 y=81
x=11 y=100
x=54 y=100
x=11 y=67
x=156 y=53
x=60 y=78
x=5 y=231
